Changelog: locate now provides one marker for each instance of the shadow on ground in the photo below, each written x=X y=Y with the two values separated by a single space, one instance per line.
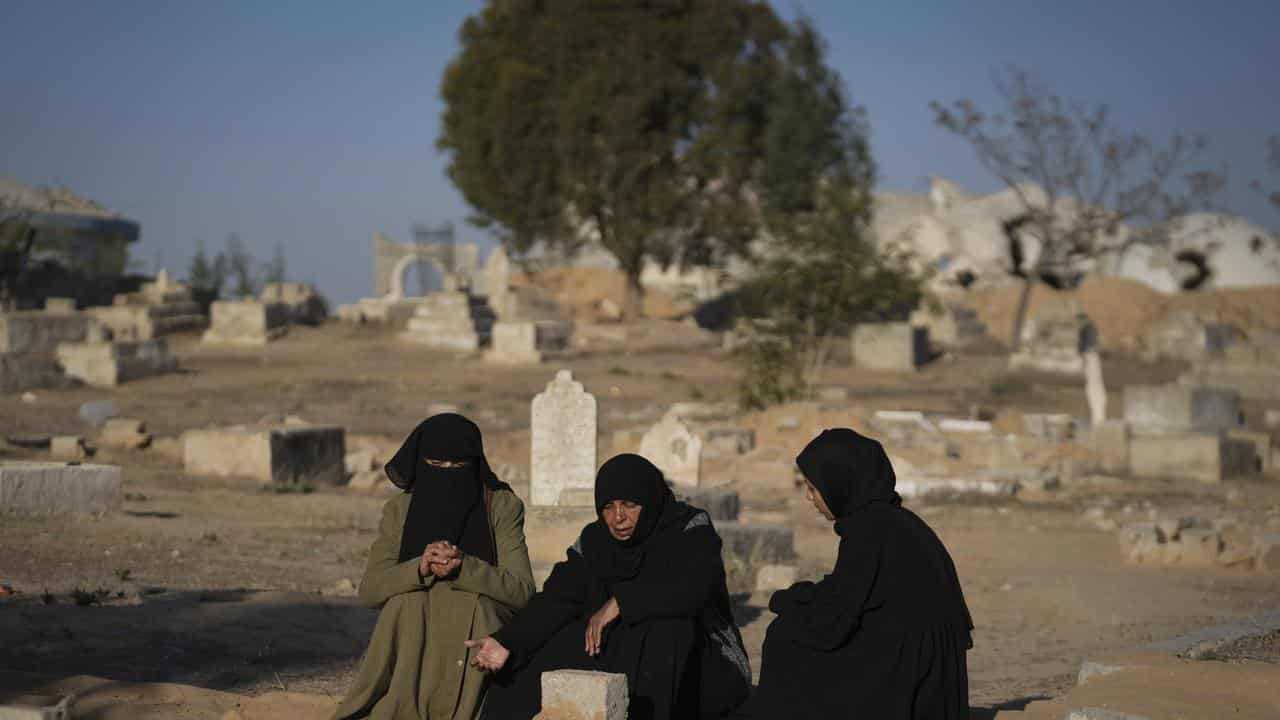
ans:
x=239 y=641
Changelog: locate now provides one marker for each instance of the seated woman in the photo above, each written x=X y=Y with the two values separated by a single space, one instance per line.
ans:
x=885 y=634
x=642 y=592
x=450 y=564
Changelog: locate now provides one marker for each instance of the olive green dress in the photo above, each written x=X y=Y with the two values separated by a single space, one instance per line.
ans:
x=416 y=666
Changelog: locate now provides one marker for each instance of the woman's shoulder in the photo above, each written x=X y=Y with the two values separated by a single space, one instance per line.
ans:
x=505 y=501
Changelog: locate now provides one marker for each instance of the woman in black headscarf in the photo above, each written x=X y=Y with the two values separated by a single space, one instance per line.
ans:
x=885 y=634
x=450 y=564
x=642 y=592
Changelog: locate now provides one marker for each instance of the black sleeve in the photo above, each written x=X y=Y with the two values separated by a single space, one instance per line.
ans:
x=559 y=602
x=824 y=614
x=685 y=585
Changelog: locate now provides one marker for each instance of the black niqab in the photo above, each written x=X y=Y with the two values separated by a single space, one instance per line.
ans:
x=850 y=470
x=446 y=503
x=633 y=478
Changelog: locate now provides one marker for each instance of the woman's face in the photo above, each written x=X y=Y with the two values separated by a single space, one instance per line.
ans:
x=815 y=497
x=621 y=516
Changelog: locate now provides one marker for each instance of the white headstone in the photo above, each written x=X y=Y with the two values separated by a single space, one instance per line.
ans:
x=675 y=449
x=563 y=440
x=497 y=281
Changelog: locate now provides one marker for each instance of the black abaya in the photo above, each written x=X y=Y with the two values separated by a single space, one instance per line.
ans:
x=885 y=634
x=675 y=639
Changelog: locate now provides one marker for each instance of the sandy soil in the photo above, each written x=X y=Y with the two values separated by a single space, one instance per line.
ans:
x=230 y=587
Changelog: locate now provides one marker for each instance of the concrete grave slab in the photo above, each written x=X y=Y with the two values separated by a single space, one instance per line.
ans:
x=279 y=455
x=56 y=488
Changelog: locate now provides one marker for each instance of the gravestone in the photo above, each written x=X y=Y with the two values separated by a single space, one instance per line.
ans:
x=1180 y=408
x=563 y=440
x=107 y=364
x=245 y=322
x=56 y=488
x=514 y=343
x=272 y=455
x=450 y=321
x=497 y=284
x=675 y=449
x=899 y=347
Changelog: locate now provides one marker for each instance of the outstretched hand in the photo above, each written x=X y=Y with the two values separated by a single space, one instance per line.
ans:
x=600 y=620
x=488 y=654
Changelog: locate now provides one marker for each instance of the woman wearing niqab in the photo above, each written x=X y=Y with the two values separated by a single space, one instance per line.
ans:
x=884 y=635
x=673 y=637
x=449 y=565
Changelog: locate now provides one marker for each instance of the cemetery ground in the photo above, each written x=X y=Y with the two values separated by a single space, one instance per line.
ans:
x=244 y=591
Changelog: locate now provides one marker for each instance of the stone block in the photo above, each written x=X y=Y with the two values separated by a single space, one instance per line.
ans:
x=775 y=577
x=1199 y=547
x=514 y=343
x=899 y=347
x=305 y=305
x=1271 y=418
x=372 y=482
x=54 y=488
x=675 y=449
x=359 y=461
x=1261 y=444
x=1267 y=552
x=123 y=434
x=249 y=323
x=1180 y=408
x=562 y=440
x=59 y=305
x=37 y=331
x=107 y=364
x=1110 y=443
x=1053 y=427
x=451 y=320
x=67 y=447
x=721 y=505
x=281 y=455
x=583 y=695
x=1205 y=457
x=1093 y=713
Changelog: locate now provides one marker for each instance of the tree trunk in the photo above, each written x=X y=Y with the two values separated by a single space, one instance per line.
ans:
x=1020 y=315
x=633 y=297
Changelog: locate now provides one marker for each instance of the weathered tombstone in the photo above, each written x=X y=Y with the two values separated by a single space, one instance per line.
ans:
x=583 y=695
x=899 y=347
x=514 y=343
x=1110 y=442
x=675 y=449
x=67 y=447
x=280 y=455
x=107 y=364
x=59 y=305
x=497 y=283
x=563 y=440
x=55 y=488
x=246 y=322
x=1180 y=408
x=1206 y=457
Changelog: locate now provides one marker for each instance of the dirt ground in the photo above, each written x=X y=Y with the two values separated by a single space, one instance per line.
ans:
x=226 y=586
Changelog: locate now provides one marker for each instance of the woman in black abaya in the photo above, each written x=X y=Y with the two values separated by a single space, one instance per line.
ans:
x=885 y=634
x=642 y=592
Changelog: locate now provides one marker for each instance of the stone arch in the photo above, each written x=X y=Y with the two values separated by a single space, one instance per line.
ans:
x=406 y=262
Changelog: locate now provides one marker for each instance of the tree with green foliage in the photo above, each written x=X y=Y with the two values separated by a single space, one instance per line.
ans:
x=1085 y=187
x=638 y=123
x=822 y=274
x=17 y=239
x=240 y=268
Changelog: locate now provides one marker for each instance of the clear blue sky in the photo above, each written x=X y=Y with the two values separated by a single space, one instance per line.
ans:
x=312 y=124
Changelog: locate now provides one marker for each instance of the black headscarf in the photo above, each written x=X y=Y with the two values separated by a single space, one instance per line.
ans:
x=446 y=503
x=850 y=470
x=630 y=477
